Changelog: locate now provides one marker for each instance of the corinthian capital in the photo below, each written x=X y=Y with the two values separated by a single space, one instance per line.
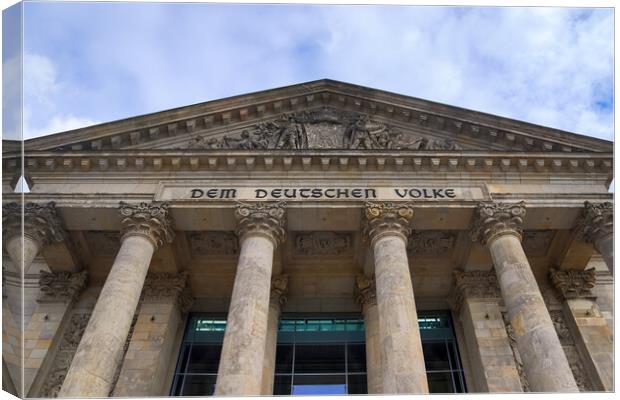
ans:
x=598 y=220
x=61 y=286
x=150 y=220
x=481 y=285
x=367 y=290
x=41 y=222
x=279 y=288
x=494 y=219
x=387 y=219
x=165 y=286
x=573 y=283
x=267 y=219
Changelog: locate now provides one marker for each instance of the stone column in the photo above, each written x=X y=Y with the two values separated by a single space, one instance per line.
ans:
x=145 y=227
x=476 y=302
x=374 y=362
x=499 y=227
x=165 y=298
x=587 y=325
x=277 y=300
x=598 y=229
x=41 y=226
x=261 y=227
x=387 y=229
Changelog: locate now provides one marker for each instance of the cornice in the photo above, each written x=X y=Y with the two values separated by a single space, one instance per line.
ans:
x=275 y=102
x=306 y=160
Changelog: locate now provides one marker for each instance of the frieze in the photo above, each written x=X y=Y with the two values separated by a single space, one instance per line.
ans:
x=213 y=243
x=323 y=243
x=325 y=128
x=431 y=243
x=169 y=191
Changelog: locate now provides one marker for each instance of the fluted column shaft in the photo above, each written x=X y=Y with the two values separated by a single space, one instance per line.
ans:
x=277 y=300
x=498 y=225
x=598 y=229
x=374 y=359
x=387 y=228
x=41 y=226
x=99 y=354
x=260 y=229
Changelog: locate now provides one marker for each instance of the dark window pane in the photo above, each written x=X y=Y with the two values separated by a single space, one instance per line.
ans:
x=178 y=383
x=319 y=384
x=458 y=381
x=319 y=358
x=357 y=384
x=204 y=358
x=439 y=382
x=284 y=358
x=282 y=385
x=183 y=360
x=199 y=385
x=356 y=354
x=435 y=356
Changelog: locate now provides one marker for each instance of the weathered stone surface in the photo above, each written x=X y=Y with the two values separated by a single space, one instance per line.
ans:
x=598 y=221
x=277 y=300
x=374 y=359
x=387 y=228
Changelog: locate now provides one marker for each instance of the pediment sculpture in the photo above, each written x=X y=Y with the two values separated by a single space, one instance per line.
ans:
x=323 y=129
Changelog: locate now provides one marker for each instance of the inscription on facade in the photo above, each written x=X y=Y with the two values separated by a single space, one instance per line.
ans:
x=320 y=193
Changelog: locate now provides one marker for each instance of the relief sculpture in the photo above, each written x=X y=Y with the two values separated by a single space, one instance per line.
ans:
x=321 y=129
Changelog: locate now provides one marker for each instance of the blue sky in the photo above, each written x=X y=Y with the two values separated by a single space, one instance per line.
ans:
x=87 y=63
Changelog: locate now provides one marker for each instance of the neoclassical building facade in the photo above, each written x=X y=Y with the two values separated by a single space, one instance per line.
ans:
x=321 y=238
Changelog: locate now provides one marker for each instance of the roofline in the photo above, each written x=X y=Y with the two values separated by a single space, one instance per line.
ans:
x=262 y=95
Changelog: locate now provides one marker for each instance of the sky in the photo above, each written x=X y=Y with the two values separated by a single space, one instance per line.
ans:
x=88 y=63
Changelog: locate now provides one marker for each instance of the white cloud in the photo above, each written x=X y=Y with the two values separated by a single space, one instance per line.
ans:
x=43 y=115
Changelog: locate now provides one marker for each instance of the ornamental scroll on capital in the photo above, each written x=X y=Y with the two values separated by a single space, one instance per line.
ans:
x=367 y=290
x=151 y=220
x=572 y=283
x=41 y=222
x=387 y=218
x=264 y=218
x=598 y=220
x=475 y=284
x=61 y=287
x=279 y=289
x=495 y=219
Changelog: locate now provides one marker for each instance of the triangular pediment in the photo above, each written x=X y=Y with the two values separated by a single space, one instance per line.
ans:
x=320 y=115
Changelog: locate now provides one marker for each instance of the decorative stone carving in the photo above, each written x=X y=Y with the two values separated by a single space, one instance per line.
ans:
x=61 y=286
x=474 y=285
x=279 y=289
x=512 y=340
x=494 y=219
x=41 y=222
x=265 y=218
x=572 y=283
x=151 y=220
x=431 y=243
x=536 y=243
x=387 y=217
x=163 y=286
x=62 y=361
x=104 y=243
x=570 y=350
x=213 y=243
x=323 y=243
x=598 y=220
x=324 y=128
x=367 y=291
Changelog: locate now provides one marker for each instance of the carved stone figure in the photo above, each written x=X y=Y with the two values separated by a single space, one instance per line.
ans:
x=357 y=135
x=248 y=141
x=292 y=136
